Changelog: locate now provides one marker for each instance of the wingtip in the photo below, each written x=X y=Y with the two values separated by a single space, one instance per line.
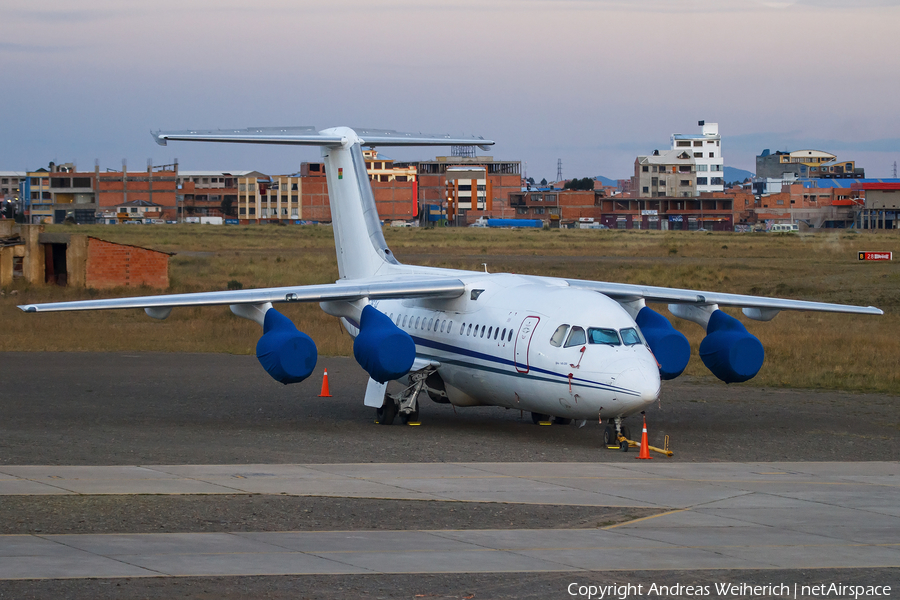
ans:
x=159 y=138
x=28 y=308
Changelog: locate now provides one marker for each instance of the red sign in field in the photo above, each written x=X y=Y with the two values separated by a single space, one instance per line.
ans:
x=876 y=256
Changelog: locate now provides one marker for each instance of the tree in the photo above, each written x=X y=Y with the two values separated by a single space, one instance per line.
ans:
x=530 y=180
x=544 y=181
x=583 y=184
x=227 y=206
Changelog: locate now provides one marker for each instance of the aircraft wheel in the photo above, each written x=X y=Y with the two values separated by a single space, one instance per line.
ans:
x=626 y=431
x=561 y=421
x=623 y=446
x=609 y=436
x=385 y=415
x=536 y=418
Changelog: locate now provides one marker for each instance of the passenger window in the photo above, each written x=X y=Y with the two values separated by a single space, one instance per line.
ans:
x=490 y=331
x=510 y=335
x=559 y=335
x=496 y=331
x=503 y=335
x=449 y=326
x=576 y=337
x=630 y=337
x=482 y=331
x=404 y=320
x=597 y=335
x=469 y=332
x=417 y=322
x=430 y=324
x=443 y=323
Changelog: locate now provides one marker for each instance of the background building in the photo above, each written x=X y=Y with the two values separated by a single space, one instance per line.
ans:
x=666 y=174
x=693 y=166
x=9 y=190
x=208 y=193
x=61 y=192
x=461 y=185
x=706 y=150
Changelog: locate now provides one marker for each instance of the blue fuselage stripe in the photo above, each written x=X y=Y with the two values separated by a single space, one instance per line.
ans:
x=466 y=352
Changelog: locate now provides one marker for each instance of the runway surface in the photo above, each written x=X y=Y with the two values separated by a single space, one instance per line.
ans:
x=765 y=485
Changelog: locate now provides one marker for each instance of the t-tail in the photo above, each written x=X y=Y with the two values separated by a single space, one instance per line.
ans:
x=359 y=241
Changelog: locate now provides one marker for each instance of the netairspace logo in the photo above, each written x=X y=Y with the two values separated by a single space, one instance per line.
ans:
x=724 y=590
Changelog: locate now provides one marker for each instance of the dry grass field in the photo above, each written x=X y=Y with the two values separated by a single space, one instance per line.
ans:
x=802 y=349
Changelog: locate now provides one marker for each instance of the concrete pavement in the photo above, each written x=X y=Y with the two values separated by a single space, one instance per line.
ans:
x=722 y=516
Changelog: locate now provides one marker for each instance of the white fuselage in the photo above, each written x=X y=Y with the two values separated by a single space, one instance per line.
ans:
x=494 y=346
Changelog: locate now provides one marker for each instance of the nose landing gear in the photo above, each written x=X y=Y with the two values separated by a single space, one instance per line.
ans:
x=614 y=432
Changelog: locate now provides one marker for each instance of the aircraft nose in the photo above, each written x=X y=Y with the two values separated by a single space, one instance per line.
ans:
x=643 y=380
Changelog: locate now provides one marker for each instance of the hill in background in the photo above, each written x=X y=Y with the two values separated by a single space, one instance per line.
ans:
x=731 y=174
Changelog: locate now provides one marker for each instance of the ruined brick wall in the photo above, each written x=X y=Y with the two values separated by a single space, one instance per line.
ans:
x=116 y=265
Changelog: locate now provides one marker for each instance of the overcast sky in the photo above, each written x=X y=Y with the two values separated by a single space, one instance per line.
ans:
x=591 y=82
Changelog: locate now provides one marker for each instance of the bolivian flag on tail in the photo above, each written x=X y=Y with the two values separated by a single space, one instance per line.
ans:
x=340 y=173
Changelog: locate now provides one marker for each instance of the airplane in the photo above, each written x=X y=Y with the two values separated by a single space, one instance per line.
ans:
x=559 y=348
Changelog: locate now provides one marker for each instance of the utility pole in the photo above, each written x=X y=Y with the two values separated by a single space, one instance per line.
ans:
x=558 y=170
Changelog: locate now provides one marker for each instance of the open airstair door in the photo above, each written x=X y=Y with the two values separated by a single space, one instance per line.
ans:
x=523 y=342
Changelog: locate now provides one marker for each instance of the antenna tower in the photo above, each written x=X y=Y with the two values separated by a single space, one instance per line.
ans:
x=895 y=169
x=558 y=169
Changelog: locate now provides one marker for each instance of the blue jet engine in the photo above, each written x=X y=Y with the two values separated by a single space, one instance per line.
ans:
x=669 y=346
x=729 y=350
x=381 y=348
x=288 y=355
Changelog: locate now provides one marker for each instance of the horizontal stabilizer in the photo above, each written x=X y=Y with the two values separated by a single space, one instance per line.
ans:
x=308 y=136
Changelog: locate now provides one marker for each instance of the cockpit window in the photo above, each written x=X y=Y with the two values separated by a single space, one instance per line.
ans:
x=559 y=335
x=630 y=337
x=596 y=335
x=576 y=337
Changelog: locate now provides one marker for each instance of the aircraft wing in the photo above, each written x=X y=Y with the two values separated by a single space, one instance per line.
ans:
x=626 y=292
x=412 y=288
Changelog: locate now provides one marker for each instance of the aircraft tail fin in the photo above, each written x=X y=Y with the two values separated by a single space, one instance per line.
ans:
x=359 y=242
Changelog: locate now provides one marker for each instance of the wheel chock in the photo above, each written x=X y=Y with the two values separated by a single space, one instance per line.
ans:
x=413 y=423
x=545 y=423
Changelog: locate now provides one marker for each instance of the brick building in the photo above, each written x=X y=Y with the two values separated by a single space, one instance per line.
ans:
x=711 y=211
x=61 y=192
x=209 y=193
x=452 y=182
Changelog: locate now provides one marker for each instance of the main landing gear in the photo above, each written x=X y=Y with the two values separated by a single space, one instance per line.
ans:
x=405 y=404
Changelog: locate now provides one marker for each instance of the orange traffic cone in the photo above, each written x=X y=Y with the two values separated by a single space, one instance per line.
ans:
x=325 y=393
x=645 y=443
